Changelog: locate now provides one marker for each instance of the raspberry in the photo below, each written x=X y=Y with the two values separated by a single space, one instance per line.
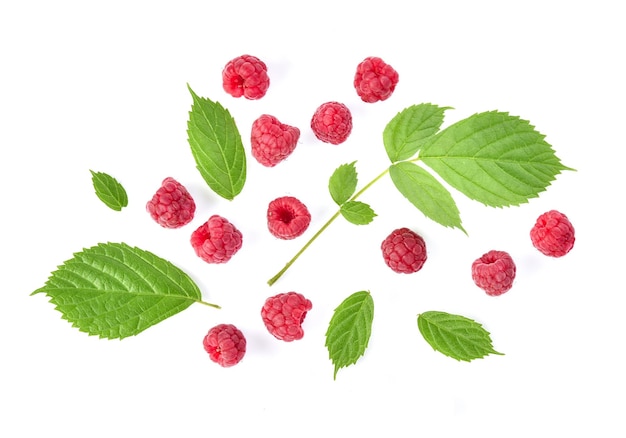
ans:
x=404 y=251
x=225 y=344
x=494 y=272
x=245 y=75
x=171 y=206
x=272 y=141
x=375 y=80
x=287 y=217
x=332 y=122
x=283 y=315
x=553 y=234
x=217 y=240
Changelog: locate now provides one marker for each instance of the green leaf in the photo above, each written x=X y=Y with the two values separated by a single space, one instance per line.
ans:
x=359 y=213
x=342 y=184
x=113 y=290
x=426 y=193
x=406 y=132
x=216 y=146
x=349 y=330
x=494 y=158
x=109 y=190
x=455 y=336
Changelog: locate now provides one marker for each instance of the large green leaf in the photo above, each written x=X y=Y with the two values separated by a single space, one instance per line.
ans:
x=426 y=193
x=494 y=158
x=216 y=146
x=406 y=132
x=349 y=330
x=455 y=336
x=113 y=290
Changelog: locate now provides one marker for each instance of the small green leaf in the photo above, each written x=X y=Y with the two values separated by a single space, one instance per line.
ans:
x=216 y=146
x=426 y=193
x=342 y=183
x=113 y=290
x=406 y=132
x=358 y=213
x=455 y=336
x=109 y=190
x=494 y=158
x=349 y=330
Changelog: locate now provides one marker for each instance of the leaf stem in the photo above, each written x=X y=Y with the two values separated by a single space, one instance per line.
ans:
x=208 y=304
x=280 y=273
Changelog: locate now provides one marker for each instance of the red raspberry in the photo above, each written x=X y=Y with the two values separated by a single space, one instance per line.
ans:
x=272 y=141
x=245 y=75
x=375 y=80
x=171 y=206
x=287 y=217
x=332 y=122
x=225 y=344
x=217 y=240
x=553 y=234
x=404 y=251
x=283 y=315
x=494 y=272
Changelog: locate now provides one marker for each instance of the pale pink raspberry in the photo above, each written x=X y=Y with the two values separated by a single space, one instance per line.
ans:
x=375 y=80
x=225 y=344
x=217 y=240
x=283 y=315
x=494 y=272
x=246 y=76
x=272 y=141
x=553 y=234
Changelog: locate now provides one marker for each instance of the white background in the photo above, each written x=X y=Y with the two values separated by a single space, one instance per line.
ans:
x=103 y=86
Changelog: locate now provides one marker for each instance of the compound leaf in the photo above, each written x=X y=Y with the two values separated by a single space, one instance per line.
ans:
x=406 y=132
x=349 y=330
x=109 y=190
x=216 y=146
x=455 y=336
x=492 y=157
x=342 y=183
x=358 y=213
x=426 y=193
x=113 y=290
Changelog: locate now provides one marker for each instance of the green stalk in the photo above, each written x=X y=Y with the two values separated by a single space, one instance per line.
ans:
x=280 y=273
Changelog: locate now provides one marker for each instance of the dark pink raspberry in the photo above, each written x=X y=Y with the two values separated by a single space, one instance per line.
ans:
x=272 y=141
x=287 y=217
x=283 y=315
x=375 y=80
x=553 y=234
x=494 y=272
x=246 y=76
x=225 y=344
x=217 y=240
x=404 y=251
x=171 y=206
x=332 y=122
